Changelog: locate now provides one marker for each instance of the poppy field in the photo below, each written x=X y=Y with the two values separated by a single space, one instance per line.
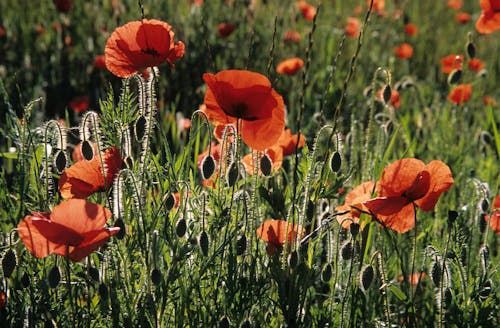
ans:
x=250 y=163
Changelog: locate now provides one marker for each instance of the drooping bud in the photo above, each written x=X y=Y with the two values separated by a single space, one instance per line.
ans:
x=266 y=165
x=180 y=227
x=9 y=262
x=87 y=150
x=207 y=167
x=54 y=277
x=94 y=273
x=335 y=162
x=366 y=276
x=470 y=48
x=346 y=250
x=455 y=76
x=60 y=161
x=387 y=93
x=233 y=174
x=156 y=276
x=170 y=202
x=326 y=273
x=224 y=322
x=436 y=273
x=203 y=242
x=120 y=224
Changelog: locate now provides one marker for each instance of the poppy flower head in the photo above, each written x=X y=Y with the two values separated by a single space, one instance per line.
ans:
x=353 y=201
x=75 y=228
x=247 y=98
x=494 y=219
x=403 y=51
x=79 y=104
x=63 y=6
x=475 y=64
x=141 y=44
x=411 y=29
x=353 y=27
x=100 y=62
x=307 y=10
x=489 y=20
x=225 y=29
x=290 y=66
x=291 y=37
x=455 y=4
x=378 y=6
x=451 y=62
x=462 y=18
x=278 y=232
x=460 y=94
x=2 y=31
x=288 y=142
x=413 y=278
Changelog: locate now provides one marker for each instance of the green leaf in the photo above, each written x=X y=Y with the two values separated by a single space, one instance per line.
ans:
x=398 y=293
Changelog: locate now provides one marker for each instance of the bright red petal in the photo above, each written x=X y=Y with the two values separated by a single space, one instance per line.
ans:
x=80 y=215
x=33 y=239
x=399 y=176
x=57 y=233
x=441 y=180
x=92 y=242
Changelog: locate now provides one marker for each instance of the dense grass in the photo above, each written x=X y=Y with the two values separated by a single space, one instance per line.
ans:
x=200 y=263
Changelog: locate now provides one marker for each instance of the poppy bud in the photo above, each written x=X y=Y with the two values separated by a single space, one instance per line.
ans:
x=436 y=273
x=448 y=297
x=233 y=174
x=455 y=76
x=87 y=150
x=335 y=162
x=180 y=227
x=293 y=259
x=224 y=322
x=25 y=280
x=94 y=274
x=9 y=263
x=203 y=242
x=103 y=291
x=452 y=217
x=120 y=224
x=326 y=273
x=365 y=276
x=207 y=167
x=367 y=91
x=485 y=138
x=54 y=277
x=346 y=250
x=170 y=202
x=140 y=127
x=310 y=210
x=354 y=229
x=156 y=276
x=470 y=48
x=387 y=93
x=60 y=161
x=241 y=245
x=484 y=206
x=266 y=165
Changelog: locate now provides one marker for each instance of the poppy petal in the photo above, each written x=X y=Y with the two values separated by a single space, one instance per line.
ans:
x=92 y=242
x=80 y=215
x=401 y=220
x=386 y=205
x=441 y=181
x=33 y=239
x=399 y=177
x=57 y=233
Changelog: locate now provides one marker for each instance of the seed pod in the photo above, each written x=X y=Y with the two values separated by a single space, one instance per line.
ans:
x=387 y=93
x=365 y=276
x=140 y=127
x=224 y=322
x=156 y=276
x=9 y=263
x=326 y=273
x=455 y=76
x=94 y=273
x=266 y=165
x=120 y=224
x=25 y=280
x=233 y=174
x=60 y=161
x=470 y=49
x=335 y=162
x=54 y=277
x=293 y=259
x=346 y=250
x=87 y=150
x=203 y=242
x=180 y=227
x=207 y=167
x=436 y=273
x=103 y=291
x=241 y=245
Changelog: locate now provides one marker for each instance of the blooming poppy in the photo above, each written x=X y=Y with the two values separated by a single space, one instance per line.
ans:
x=411 y=29
x=290 y=66
x=225 y=29
x=395 y=100
x=63 y=6
x=141 y=44
x=489 y=21
x=354 y=201
x=377 y=7
x=455 y=4
x=413 y=278
x=2 y=31
x=84 y=178
x=278 y=232
x=100 y=62
x=74 y=228
x=308 y=11
x=246 y=98
x=291 y=36
x=494 y=219
x=462 y=18
x=403 y=51
x=460 y=94
x=451 y=62
x=353 y=27
x=487 y=100
x=475 y=64
x=405 y=183
x=79 y=104
x=288 y=142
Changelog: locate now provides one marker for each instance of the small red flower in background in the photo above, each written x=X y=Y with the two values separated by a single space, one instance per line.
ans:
x=494 y=219
x=353 y=27
x=475 y=64
x=287 y=142
x=455 y=4
x=290 y=66
x=138 y=45
x=276 y=232
x=413 y=278
x=2 y=31
x=100 y=62
x=63 y=6
x=74 y=228
x=308 y=11
x=291 y=37
x=84 y=178
x=403 y=51
x=354 y=199
x=246 y=98
x=378 y=6
x=487 y=100
x=405 y=183
x=462 y=18
x=395 y=100
x=411 y=29
x=460 y=94
x=225 y=29
x=79 y=104
x=451 y=62
x=489 y=21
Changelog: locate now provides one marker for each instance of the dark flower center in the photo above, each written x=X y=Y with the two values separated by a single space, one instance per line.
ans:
x=151 y=52
x=240 y=110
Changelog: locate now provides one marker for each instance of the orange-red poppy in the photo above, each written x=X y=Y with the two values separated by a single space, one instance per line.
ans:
x=494 y=219
x=413 y=278
x=84 y=178
x=451 y=62
x=405 y=183
x=489 y=21
x=307 y=10
x=395 y=100
x=403 y=51
x=377 y=7
x=455 y=4
x=278 y=232
x=79 y=104
x=225 y=29
x=287 y=142
x=291 y=36
x=475 y=64
x=141 y=44
x=353 y=201
x=290 y=66
x=487 y=100
x=100 y=62
x=2 y=31
x=353 y=27
x=63 y=6
x=462 y=18
x=411 y=29
x=74 y=228
x=246 y=98
x=460 y=94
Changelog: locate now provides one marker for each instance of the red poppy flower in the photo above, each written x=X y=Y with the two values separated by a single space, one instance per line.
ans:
x=276 y=232
x=405 y=183
x=489 y=21
x=3 y=300
x=247 y=98
x=308 y=11
x=74 y=228
x=84 y=178
x=451 y=62
x=403 y=51
x=141 y=44
x=460 y=94
x=100 y=62
x=475 y=64
x=291 y=37
x=455 y=4
x=353 y=200
x=494 y=219
x=79 y=104
x=462 y=18
x=287 y=142
x=487 y=100
x=413 y=278
x=395 y=100
x=290 y=66
x=377 y=7
x=63 y=6
x=353 y=27
x=225 y=29
x=411 y=29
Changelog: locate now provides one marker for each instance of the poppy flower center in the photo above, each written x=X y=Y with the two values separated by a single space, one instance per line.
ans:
x=151 y=52
x=240 y=110
x=419 y=188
